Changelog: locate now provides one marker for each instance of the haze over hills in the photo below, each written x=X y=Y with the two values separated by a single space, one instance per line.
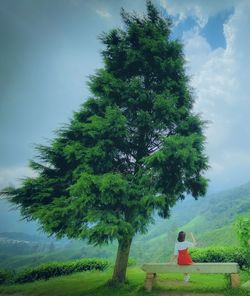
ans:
x=209 y=218
x=10 y=220
x=213 y=211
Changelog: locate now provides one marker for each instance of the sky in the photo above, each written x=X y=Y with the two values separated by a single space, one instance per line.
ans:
x=49 y=48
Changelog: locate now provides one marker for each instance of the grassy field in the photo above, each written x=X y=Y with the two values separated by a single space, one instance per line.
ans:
x=94 y=283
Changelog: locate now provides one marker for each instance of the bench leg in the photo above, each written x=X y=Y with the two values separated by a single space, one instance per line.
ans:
x=235 y=280
x=150 y=277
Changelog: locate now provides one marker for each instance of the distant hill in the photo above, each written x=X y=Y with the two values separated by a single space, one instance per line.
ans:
x=20 y=236
x=210 y=218
x=214 y=211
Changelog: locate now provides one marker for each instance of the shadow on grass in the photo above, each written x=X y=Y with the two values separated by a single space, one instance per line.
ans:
x=237 y=292
x=176 y=287
x=135 y=290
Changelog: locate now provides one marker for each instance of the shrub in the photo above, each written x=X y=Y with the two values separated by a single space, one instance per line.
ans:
x=131 y=261
x=220 y=254
x=48 y=270
x=6 y=276
x=242 y=226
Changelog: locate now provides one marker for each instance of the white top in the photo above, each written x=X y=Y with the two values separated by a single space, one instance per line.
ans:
x=182 y=246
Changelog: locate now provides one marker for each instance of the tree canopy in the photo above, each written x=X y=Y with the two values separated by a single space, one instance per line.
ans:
x=133 y=149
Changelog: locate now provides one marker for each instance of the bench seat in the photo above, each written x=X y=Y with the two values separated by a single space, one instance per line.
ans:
x=193 y=268
x=152 y=269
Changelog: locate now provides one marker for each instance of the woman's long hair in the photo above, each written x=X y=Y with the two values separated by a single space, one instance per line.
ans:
x=181 y=236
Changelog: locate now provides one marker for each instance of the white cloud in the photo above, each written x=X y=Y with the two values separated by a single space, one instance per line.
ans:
x=197 y=49
x=200 y=10
x=13 y=175
x=220 y=80
x=103 y=13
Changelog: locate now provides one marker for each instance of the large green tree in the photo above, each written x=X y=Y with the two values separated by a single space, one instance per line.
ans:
x=133 y=149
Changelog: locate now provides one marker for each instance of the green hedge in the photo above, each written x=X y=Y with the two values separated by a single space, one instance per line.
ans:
x=220 y=254
x=48 y=270
x=6 y=276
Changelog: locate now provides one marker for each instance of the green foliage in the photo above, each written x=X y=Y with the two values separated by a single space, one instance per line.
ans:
x=6 y=276
x=131 y=261
x=48 y=270
x=158 y=244
x=220 y=254
x=242 y=226
x=134 y=148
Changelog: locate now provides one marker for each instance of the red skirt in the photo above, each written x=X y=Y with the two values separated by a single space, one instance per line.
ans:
x=184 y=258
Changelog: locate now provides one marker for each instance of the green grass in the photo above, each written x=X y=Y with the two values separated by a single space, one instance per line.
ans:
x=194 y=223
x=93 y=283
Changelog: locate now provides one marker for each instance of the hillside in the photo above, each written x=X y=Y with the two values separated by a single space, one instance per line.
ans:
x=216 y=210
x=209 y=218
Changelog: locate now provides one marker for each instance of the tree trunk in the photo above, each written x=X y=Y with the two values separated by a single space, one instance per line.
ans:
x=121 y=263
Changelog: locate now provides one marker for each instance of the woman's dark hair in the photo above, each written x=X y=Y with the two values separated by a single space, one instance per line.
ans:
x=181 y=236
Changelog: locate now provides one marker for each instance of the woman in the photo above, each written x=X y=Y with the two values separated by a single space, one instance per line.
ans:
x=181 y=251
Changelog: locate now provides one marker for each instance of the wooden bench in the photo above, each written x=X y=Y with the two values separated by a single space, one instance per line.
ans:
x=152 y=269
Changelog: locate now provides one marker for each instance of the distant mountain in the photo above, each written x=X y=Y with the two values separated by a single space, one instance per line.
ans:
x=213 y=211
x=210 y=218
x=20 y=236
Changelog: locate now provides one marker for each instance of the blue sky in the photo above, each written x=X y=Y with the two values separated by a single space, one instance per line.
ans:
x=50 y=47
